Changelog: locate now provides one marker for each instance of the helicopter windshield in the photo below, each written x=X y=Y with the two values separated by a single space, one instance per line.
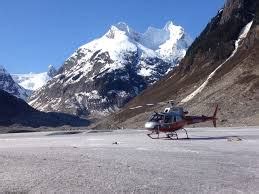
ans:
x=156 y=118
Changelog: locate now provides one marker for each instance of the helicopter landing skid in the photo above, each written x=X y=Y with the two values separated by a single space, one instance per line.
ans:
x=171 y=135
x=187 y=137
x=168 y=135
x=149 y=135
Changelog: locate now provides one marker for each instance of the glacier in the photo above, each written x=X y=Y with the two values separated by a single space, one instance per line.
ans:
x=34 y=81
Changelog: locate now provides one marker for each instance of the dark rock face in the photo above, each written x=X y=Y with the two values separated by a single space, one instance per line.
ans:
x=16 y=111
x=12 y=106
x=9 y=85
x=242 y=9
x=216 y=42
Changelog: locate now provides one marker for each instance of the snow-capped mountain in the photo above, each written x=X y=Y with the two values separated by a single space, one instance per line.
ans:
x=9 y=85
x=107 y=72
x=34 y=81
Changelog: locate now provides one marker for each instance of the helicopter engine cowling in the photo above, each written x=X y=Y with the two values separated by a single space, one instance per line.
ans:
x=151 y=125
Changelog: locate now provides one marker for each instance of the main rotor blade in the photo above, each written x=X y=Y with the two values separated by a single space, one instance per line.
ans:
x=152 y=104
x=136 y=107
x=141 y=106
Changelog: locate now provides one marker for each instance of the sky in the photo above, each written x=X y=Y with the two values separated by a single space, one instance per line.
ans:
x=37 y=33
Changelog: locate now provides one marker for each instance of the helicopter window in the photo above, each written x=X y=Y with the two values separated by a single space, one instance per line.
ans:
x=167 y=110
x=156 y=118
x=168 y=119
x=178 y=118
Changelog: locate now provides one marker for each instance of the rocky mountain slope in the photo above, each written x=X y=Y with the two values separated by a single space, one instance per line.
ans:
x=34 y=81
x=9 y=85
x=220 y=67
x=106 y=73
x=16 y=111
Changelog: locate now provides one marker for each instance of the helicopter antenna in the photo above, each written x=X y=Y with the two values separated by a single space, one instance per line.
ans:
x=171 y=102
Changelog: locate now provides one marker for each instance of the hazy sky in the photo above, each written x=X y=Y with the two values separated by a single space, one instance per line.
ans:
x=36 y=33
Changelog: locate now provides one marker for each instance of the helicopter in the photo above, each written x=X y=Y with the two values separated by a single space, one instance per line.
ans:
x=172 y=119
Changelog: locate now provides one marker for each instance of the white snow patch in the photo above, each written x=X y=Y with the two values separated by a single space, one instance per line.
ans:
x=90 y=95
x=33 y=101
x=171 y=68
x=122 y=94
x=242 y=35
x=144 y=71
x=114 y=46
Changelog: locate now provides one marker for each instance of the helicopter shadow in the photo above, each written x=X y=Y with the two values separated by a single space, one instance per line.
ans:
x=208 y=138
x=197 y=138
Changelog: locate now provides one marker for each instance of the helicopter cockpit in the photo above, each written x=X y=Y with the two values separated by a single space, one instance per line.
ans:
x=169 y=116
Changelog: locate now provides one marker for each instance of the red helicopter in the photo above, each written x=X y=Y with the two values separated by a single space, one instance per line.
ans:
x=174 y=118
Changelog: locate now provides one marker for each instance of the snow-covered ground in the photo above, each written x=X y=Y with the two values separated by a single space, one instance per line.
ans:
x=214 y=160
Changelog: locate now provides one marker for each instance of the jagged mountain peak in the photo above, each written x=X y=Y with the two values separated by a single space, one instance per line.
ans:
x=122 y=29
x=122 y=26
x=169 y=24
x=169 y=42
x=173 y=29
x=153 y=38
x=51 y=71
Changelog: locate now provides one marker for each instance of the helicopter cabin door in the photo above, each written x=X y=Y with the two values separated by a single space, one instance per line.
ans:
x=177 y=114
x=168 y=119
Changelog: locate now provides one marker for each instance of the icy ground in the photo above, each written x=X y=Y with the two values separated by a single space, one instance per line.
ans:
x=214 y=160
